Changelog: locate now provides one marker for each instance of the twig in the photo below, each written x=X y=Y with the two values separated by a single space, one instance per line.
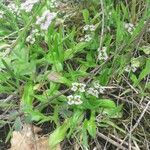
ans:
x=138 y=121
x=102 y=28
x=124 y=142
x=10 y=97
x=141 y=116
x=130 y=85
x=111 y=141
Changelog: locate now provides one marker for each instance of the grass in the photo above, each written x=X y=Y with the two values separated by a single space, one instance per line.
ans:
x=84 y=80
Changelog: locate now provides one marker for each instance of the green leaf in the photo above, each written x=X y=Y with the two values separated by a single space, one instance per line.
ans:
x=96 y=103
x=91 y=125
x=71 y=52
x=8 y=68
x=145 y=49
x=113 y=112
x=106 y=103
x=27 y=97
x=137 y=62
x=144 y=72
x=85 y=137
x=59 y=134
x=75 y=120
x=24 y=68
x=86 y=15
x=134 y=78
x=36 y=115
x=58 y=78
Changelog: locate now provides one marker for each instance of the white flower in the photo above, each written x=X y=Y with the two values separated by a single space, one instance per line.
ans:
x=96 y=85
x=89 y=27
x=77 y=100
x=128 y=68
x=70 y=99
x=35 y=31
x=82 y=87
x=93 y=92
x=88 y=37
x=14 y=8
x=78 y=86
x=92 y=28
x=102 y=54
x=86 y=27
x=101 y=90
x=30 y=39
x=133 y=68
x=28 y=5
x=45 y=20
x=74 y=86
x=129 y=27
x=74 y=100
x=90 y=90
x=81 y=39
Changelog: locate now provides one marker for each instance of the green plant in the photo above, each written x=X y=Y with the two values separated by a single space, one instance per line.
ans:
x=61 y=66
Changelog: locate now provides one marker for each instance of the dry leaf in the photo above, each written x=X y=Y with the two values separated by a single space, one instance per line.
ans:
x=54 y=76
x=28 y=139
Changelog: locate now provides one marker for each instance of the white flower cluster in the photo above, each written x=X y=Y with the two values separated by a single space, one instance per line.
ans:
x=86 y=38
x=96 y=89
x=102 y=53
x=89 y=28
x=31 y=38
x=93 y=92
x=100 y=88
x=74 y=100
x=78 y=87
x=129 y=68
x=130 y=27
x=54 y=3
x=45 y=20
x=28 y=5
x=135 y=64
x=1 y=14
x=14 y=8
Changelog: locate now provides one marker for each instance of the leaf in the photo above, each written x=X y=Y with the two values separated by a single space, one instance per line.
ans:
x=75 y=120
x=144 y=72
x=106 y=103
x=91 y=125
x=6 y=89
x=145 y=49
x=36 y=115
x=137 y=62
x=86 y=15
x=85 y=138
x=59 y=134
x=27 y=97
x=58 y=78
x=28 y=139
x=113 y=112
x=8 y=68
x=70 y=52
x=134 y=78
x=103 y=103
x=24 y=68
